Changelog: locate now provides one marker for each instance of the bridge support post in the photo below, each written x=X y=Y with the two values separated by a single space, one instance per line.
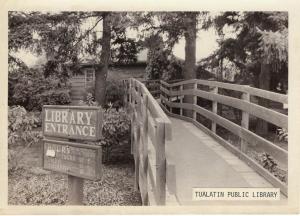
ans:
x=214 y=110
x=245 y=122
x=181 y=99
x=160 y=163
x=195 y=101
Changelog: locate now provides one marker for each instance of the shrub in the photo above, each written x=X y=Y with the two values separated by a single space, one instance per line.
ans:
x=116 y=133
x=32 y=90
x=116 y=125
x=114 y=94
x=282 y=134
x=21 y=131
x=21 y=125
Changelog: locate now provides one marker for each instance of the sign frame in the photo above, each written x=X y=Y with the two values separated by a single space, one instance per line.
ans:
x=98 y=157
x=99 y=121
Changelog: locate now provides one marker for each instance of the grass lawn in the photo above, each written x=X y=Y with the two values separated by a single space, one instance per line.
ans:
x=31 y=185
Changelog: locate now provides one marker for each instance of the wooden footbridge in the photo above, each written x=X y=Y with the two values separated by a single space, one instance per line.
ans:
x=177 y=146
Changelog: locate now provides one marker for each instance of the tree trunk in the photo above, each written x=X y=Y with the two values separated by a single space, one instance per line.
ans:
x=101 y=72
x=220 y=74
x=264 y=83
x=190 y=57
x=190 y=47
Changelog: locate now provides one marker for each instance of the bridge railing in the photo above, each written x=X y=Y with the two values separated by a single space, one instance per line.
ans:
x=150 y=130
x=181 y=100
x=153 y=86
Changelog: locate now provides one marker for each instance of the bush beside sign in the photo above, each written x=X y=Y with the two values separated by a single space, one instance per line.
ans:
x=73 y=122
x=81 y=160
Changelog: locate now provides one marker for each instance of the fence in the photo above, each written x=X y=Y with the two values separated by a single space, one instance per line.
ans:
x=153 y=86
x=150 y=131
x=183 y=99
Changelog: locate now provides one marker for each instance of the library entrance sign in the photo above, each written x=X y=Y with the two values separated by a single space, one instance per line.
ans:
x=72 y=122
x=65 y=128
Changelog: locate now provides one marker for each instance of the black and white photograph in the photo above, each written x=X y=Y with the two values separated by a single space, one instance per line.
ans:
x=172 y=108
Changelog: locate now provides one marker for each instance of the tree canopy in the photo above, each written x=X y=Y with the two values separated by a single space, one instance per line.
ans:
x=256 y=38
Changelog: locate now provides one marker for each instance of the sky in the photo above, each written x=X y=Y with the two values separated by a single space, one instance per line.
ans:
x=205 y=45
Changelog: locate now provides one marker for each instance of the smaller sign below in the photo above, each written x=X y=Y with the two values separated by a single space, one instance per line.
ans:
x=81 y=160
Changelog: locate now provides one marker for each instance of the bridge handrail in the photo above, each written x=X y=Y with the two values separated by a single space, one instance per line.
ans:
x=190 y=87
x=281 y=98
x=151 y=128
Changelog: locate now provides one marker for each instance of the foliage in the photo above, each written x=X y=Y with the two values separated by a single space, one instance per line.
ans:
x=161 y=64
x=21 y=125
x=268 y=162
x=249 y=39
x=171 y=27
x=114 y=94
x=64 y=37
x=282 y=134
x=32 y=90
x=124 y=49
x=38 y=187
x=116 y=126
x=90 y=100
x=274 y=46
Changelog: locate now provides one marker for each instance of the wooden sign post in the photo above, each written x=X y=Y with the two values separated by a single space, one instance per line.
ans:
x=73 y=124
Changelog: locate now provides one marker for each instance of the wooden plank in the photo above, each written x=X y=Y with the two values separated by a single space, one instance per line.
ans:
x=234 y=87
x=232 y=127
x=181 y=100
x=191 y=81
x=214 y=110
x=134 y=95
x=143 y=186
x=156 y=111
x=136 y=171
x=152 y=128
x=245 y=122
x=266 y=114
x=194 y=101
x=252 y=163
x=281 y=98
x=166 y=91
x=165 y=83
x=151 y=163
x=160 y=162
x=151 y=189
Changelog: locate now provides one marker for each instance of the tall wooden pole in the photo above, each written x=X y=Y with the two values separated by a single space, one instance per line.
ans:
x=75 y=190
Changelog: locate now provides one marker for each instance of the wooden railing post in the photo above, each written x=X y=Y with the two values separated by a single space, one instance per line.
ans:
x=195 y=101
x=181 y=99
x=129 y=91
x=160 y=162
x=169 y=99
x=245 y=122
x=214 y=110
